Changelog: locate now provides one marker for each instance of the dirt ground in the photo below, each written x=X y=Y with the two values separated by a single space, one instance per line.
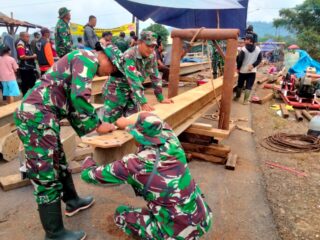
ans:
x=252 y=202
x=294 y=200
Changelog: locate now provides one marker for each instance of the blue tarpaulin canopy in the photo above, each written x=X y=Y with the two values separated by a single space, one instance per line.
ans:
x=268 y=46
x=301 y=65
x=191 y=13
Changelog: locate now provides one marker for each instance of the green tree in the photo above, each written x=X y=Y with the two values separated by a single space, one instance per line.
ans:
x=304 y=20
x=160 y=30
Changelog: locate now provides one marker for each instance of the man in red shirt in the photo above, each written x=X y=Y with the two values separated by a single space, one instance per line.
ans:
x=27 y=65
x=44 y=51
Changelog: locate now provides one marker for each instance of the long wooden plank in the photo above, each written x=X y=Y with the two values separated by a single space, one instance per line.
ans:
x=185 y=105
x=213 y=132
x=9 y=109
x=187 y=68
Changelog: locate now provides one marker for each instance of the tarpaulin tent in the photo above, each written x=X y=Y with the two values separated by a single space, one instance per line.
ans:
x=299 y=69
x=268 y=46
x=191 y=13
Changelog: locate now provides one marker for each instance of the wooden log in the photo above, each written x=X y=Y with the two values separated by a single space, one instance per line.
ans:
x=13 y=181
x=208 y=158
x=206 y=34
x=212 y=149
x=284 y=110
x=232 y=161
x=298 y=115
x=266 y=98
x=260 y=81
x=306 y=115
x=9 y=146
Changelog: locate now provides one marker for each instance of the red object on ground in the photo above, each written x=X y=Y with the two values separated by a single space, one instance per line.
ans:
x=292 y=170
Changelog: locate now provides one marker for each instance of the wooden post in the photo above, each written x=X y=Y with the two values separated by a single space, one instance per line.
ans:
x=306 y=115
x=298 y=115
x=175 y=67
x=228 y=82
x=284 y=111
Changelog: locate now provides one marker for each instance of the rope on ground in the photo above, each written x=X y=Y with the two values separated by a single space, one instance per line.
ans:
x=291 y=143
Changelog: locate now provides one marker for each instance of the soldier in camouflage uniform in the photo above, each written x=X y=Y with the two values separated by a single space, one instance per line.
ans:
x=63 y=91
x=124 y=92
x=159 y=173
x=63 y=36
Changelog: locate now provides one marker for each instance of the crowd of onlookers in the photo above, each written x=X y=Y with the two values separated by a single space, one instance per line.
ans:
x=27 y=60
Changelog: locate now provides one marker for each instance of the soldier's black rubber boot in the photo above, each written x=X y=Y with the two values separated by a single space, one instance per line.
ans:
x=238 y=94
x=73 y=202
x=51 y=219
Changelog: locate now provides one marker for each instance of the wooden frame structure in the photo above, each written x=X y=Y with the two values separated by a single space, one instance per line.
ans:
x=188 y=106
x=231 y=35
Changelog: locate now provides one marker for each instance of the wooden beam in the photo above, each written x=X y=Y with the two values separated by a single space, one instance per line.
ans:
x=213 y=132
x=187 y=68
x=232 y=161
x=212 y=149
x=175 y=67
x=216 y=44
x=6 y=112
x=266 y=98
x=208 y=158
x=13 y=181
x=206 y=34
x=228 y=83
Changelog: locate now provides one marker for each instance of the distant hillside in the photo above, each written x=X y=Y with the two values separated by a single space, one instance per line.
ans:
x=266 y=28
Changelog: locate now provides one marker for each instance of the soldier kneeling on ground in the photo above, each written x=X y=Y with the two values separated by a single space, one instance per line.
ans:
x=159 y=173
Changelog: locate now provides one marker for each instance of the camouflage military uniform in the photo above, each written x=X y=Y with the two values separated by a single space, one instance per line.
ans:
x=175 y=206
x=63 y=92
x=124 y=97
x=63 y=38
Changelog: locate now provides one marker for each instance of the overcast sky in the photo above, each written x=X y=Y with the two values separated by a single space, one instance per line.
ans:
x=110 y=14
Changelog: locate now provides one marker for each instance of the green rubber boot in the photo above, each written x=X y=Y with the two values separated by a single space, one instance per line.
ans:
x=238 y=94
x=246 y=97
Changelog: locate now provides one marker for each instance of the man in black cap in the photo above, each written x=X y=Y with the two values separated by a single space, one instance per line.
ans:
x=249 y=30
x=247 y=61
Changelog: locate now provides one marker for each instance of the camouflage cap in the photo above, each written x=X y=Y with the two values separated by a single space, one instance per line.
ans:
x=148 y=130
x=63 y=11
x=115 y=55
x=150 y=38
